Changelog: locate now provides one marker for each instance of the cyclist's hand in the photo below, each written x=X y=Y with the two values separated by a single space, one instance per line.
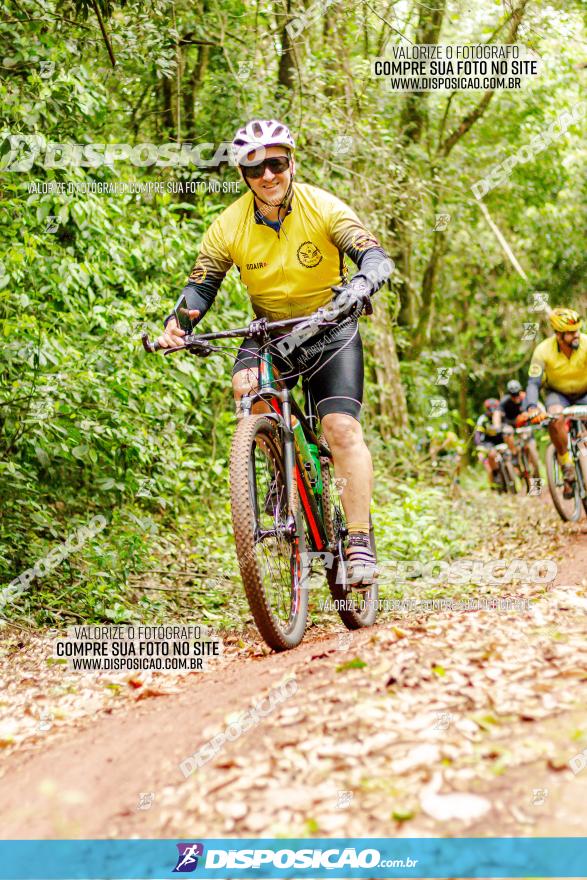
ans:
x=357 y=293
x=522 y=420
x=173 y=335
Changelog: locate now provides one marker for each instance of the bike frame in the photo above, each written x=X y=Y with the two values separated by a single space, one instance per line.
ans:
x=284 y=406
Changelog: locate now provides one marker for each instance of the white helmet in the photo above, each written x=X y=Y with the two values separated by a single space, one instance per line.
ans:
x=258 y=134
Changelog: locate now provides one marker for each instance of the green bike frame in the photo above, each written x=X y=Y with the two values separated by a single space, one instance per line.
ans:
x=307 y=448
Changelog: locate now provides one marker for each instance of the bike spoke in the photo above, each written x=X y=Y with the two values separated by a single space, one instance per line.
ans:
x=274 y=552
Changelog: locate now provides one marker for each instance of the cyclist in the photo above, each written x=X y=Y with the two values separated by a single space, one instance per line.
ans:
x=510 y=408
x=444 y=443
x=288 y=241
x=487 y=435
x=560 y=362
x=446 y=451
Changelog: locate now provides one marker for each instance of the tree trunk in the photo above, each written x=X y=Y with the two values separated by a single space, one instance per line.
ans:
x=412 y=120
x=287 y=59
x=415 y=106
x=463 y=410
x=392 y=406
x=167 y=108
x=194 y=81
x=424 y=327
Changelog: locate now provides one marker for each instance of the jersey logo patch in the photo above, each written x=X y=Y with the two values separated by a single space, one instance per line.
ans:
x=535 y=370
x=257 y=265
x=364 y=240
x=309 y=255
x=198 y=273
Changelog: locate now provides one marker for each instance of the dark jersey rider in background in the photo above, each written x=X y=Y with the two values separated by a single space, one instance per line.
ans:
x=289 y=241
x=511 y=408
x=511 y=403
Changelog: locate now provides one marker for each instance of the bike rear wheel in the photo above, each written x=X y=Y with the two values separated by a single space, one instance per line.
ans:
x=582 y=462
x=355 y=608
x=271 y=563
x=569 y=509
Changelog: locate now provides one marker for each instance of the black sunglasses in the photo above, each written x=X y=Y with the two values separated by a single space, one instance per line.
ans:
x=277 y=165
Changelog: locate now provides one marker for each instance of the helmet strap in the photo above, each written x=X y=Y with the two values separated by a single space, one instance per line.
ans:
x=284 y=202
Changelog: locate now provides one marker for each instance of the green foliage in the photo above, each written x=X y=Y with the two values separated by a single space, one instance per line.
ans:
x=90 y=425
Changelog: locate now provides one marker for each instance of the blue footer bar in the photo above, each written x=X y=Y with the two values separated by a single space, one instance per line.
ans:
x=296 y=858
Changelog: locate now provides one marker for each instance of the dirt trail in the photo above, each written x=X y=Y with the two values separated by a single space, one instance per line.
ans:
x=451 y=722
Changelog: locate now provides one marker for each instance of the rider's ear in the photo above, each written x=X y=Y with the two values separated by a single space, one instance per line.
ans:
x=292 y=165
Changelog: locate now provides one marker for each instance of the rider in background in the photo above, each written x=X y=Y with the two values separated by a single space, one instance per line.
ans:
x=560 y=364
x=488 y=434
x=511 y=408
x=445 y=443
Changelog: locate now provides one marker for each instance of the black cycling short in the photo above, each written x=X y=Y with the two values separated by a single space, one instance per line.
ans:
x=331 y=361
x=557 y=398
x=489 y=441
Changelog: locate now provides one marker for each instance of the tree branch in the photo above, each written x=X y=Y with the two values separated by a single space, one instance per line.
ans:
x=104 y=34
x=471 y=118
x=467 y=123
x=384 y=20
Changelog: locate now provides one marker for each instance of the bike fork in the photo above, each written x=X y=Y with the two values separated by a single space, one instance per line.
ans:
x=297 y=471
x=289 y=458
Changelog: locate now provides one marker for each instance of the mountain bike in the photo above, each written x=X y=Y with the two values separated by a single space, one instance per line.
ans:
x=286 y=507
x=569 y=509
x=505 y=475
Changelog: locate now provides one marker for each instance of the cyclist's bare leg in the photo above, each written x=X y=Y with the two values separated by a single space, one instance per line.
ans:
x=558 y=430
x=560 y=438
x=509 y=438
x=532 y=453
x=490 y=465
x=352 y=464
x=488 y=470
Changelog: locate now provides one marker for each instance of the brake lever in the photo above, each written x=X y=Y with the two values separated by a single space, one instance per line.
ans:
x=201 y=349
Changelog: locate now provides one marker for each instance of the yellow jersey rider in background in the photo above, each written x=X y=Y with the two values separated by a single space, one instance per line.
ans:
x=560 y=363
x=288 y=241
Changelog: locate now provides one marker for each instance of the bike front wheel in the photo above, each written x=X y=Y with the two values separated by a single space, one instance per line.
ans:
x=569 y=509
x=271 y=560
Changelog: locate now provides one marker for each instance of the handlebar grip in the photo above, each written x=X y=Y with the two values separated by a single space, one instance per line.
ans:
x=149 y=346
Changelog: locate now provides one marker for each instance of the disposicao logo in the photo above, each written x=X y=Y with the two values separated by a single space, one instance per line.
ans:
x=187 y=860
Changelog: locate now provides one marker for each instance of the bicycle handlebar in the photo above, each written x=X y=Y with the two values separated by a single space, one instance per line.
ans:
x=261 y=326
x=150 y=347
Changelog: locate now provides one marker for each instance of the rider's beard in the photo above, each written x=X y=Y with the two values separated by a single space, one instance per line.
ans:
x=575 y=343
x=274 y=196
